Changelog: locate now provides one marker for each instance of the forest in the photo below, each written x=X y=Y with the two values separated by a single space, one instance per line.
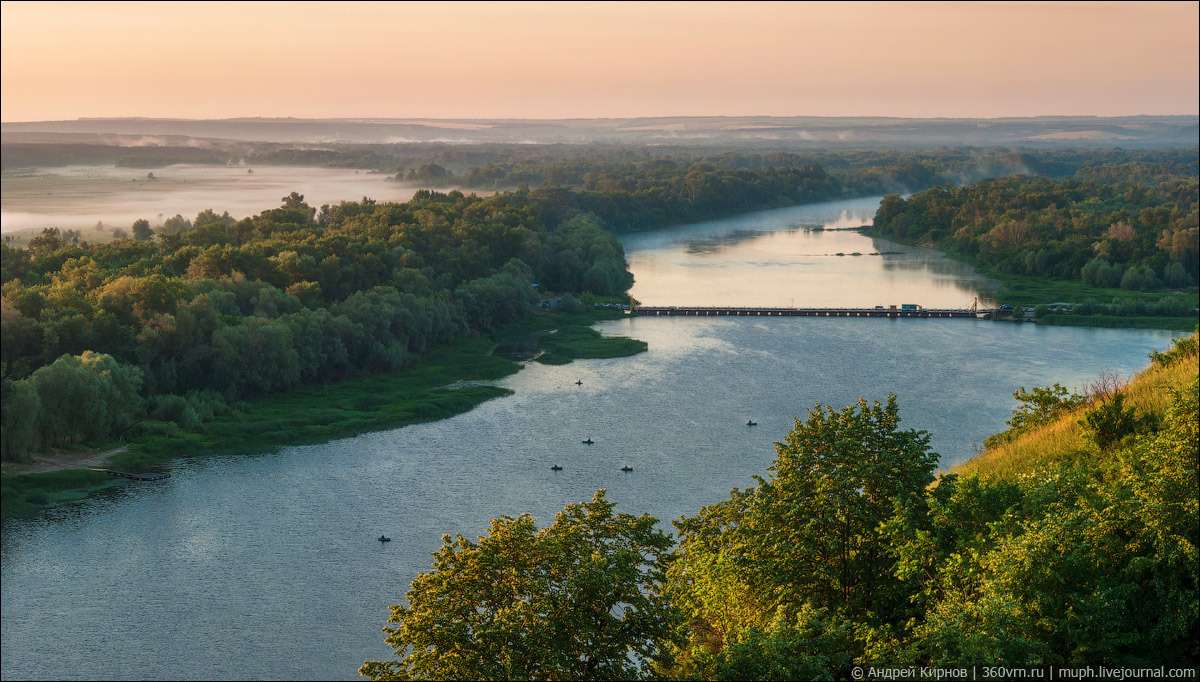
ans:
x=850 y=552
x=1132 y=225
x=171 y=326
x=105 y=339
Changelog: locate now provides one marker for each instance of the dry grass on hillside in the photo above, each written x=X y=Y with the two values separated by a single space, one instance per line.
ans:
x=1147 y=392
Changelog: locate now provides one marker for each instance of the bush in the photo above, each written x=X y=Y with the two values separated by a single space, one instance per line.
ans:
x=1110 y=422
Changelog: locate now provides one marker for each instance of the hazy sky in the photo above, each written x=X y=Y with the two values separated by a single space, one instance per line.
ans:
x=65 y=60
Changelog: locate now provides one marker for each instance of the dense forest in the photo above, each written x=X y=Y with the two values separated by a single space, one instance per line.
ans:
x=851 y=552
x=101 y=338
x=1132 y=225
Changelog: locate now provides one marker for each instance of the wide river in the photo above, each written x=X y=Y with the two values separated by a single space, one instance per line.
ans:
x=266 y=566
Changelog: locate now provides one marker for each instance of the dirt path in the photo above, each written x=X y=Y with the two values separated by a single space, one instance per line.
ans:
x=65 y=460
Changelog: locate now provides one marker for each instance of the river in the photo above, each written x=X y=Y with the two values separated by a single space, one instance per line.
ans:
x=266 y=566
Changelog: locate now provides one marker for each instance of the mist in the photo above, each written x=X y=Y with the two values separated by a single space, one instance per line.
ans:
x=78 y=197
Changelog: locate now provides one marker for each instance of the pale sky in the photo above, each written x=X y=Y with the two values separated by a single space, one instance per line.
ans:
x=66 y=60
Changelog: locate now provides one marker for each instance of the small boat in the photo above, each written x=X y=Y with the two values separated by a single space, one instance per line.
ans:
x=589 y=441
x=556 y=468
x=384 y=539
x=751 y=422
x=626 y=468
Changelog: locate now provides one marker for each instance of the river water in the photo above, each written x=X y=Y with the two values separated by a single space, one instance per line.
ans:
x=266 y=566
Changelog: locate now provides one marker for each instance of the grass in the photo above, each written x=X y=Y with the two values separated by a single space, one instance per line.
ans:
x=573 y=342
x=317 y=414
x=1063 y=439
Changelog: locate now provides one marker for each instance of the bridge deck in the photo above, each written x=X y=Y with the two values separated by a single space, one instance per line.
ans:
x=806 y=312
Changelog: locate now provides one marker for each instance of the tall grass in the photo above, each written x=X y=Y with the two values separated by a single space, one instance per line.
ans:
x=1063 y=440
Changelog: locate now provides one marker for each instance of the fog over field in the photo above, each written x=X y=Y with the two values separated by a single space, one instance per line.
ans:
x=798 y=131
x=78 y=197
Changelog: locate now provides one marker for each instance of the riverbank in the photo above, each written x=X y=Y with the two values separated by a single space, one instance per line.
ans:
x=442 y=385
x=1022 y=291
x=1065 y=439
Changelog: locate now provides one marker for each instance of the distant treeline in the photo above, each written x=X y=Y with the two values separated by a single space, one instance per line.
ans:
x=498 y=167
x=507 y=166
x=20 y=155
x=1132 y=225
x=633 y=190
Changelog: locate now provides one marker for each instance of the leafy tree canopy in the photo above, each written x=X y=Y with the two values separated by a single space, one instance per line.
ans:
x=575 y=600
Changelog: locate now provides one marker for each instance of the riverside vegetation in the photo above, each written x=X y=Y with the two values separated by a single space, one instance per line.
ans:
x=161 y=342
x=143 y=336
x=1114 y=240
x=1072 y=541
x=165 y=332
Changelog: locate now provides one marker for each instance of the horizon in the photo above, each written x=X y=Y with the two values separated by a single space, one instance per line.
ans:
x=404 y=119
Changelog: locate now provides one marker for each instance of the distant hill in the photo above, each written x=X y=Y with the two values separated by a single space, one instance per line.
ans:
x=751 y=131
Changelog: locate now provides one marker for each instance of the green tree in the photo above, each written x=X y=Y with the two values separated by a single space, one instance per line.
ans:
x=141 y=230
x=808 y=538
x=1037 y=407
x=576 y=600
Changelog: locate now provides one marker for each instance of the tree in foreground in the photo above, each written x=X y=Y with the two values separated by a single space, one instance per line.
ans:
x=794 y=578
x=576 y=600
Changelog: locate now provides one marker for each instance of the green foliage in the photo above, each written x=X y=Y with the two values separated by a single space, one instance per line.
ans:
x=281 y=300
x=1130 y=225
x=1181 y=349
x=1092 y=563
x=571 y=342
x=808 y=539
x=1037 y=407
x=813 y=647
x=575 y=600
x=1110 y=422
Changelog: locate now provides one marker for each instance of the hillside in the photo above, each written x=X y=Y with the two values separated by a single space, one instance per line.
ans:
x=1064 y=439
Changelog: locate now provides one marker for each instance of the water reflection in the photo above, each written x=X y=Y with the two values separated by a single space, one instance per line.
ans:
x=803 y=256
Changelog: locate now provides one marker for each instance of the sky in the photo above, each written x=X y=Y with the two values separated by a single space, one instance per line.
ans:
x=65 y=60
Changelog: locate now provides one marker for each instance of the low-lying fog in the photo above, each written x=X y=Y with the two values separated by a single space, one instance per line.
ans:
x=80 y=196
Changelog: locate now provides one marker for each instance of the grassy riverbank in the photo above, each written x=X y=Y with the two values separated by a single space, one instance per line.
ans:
x=1064 y=440
x=430 y=391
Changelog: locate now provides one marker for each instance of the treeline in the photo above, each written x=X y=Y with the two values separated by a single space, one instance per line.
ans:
x=632 y=192
x=1132 y=225
x=861 y=172
x=101 y=337
x=26 y=154
x=850 y=554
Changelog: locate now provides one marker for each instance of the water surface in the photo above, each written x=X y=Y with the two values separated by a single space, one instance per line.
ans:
x=267 y=567
x=806 y=256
